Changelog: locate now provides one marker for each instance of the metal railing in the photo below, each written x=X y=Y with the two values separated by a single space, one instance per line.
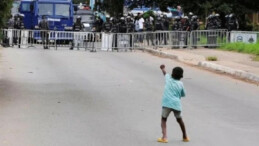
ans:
x=122 y=41
x=208 y=38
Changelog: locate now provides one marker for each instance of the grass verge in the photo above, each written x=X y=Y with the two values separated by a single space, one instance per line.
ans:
x=242 y=47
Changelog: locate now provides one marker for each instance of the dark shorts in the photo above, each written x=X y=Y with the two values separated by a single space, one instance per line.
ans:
x=166 y=111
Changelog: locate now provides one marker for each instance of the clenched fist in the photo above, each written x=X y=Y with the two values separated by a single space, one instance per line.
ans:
x=162 y=66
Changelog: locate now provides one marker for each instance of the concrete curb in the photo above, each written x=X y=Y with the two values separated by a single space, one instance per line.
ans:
x=209 y=65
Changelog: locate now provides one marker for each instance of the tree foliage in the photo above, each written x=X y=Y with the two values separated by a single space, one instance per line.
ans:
x=5 y=11
x=113 y=7
x=81 y=1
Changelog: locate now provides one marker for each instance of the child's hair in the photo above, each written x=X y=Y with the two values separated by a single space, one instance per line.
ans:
x=177 y=73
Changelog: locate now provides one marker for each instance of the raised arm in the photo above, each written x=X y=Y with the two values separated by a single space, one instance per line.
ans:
x=162 y=67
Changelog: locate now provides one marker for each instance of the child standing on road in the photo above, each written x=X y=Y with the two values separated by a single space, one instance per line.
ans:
x=171 y=101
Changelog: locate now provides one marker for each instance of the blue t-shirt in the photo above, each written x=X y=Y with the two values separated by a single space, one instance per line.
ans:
x=173 y=92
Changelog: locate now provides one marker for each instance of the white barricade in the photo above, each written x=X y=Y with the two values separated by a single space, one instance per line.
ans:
x=10 y=36
x=107 y=39
x=24 y=38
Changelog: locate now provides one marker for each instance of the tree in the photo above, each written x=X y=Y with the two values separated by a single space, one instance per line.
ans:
x=5 y=11
x=81 y=1
x=113 y=7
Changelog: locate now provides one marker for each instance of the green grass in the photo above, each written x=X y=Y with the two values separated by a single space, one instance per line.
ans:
x=203 y=40
x=242 y=47
x=212 y=58
x=256 y=58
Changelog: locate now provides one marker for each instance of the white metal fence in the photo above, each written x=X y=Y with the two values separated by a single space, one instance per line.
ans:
x=123 y=41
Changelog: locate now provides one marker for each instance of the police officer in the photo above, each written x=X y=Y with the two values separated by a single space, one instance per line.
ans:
x=159 y=27
x=129 y=25
x=98 y=24
x=177 y=26
x=122 y=25
x=209 y=23
x=165 y=28
x=78 y=26
x=190 y=15
x=130 y=28
x=213 y=23
x=217 y=21
x=15 y=37
x=19 y=25
x=149 y=28
x=194 y=26
x=44 y=27
x=107 y=26
x=165 y=23
x=232 y=22
x=115 y=30
x=115 y=25
x=194 y=23
x=186 y=23
x=186 y=27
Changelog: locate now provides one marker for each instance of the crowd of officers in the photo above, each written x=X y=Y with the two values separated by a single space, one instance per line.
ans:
x=214 y=22
x=129 y=24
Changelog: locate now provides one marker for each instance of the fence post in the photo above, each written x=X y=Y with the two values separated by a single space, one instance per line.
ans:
x=190 y=40
x=56 y=48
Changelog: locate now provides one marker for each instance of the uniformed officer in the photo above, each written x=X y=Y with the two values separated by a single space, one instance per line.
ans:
x=217 y=21
x=115 y=30
x=209 y=23
x=107 y=26
x=98 y=24
x=194 y=26
x=185 y=23
x=232 y=23
x=158 y=27
x=177 y=26
x=115 y=26
x=20 y=26
x=129 y=25
x=122 y=25
x=44 y=27
x=165 y=28
x=190 y=15
x=130 y=28
x=149 y=28
x=16 y=32
x=78 y=26
x=186 y=27
x=165 y=23
x=194 y=23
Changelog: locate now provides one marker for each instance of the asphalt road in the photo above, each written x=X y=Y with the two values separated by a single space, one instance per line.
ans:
x=78 y=98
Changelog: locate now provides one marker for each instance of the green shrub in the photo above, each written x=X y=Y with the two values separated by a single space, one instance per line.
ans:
x=212 y=58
